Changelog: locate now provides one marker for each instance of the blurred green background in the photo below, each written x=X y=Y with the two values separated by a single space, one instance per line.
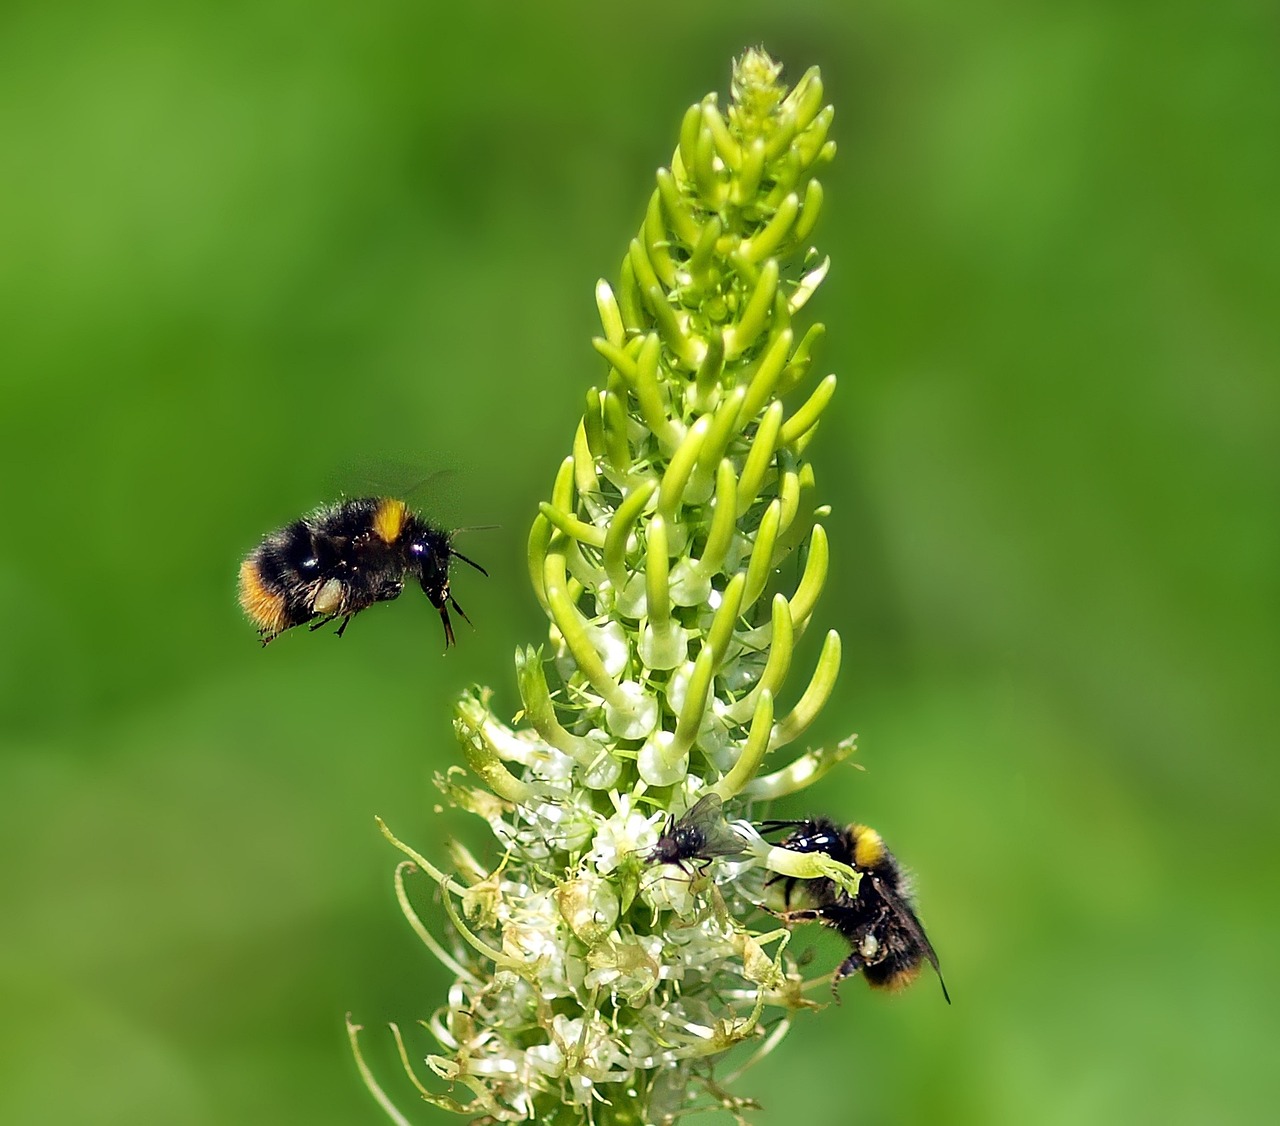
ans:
x=245 y=247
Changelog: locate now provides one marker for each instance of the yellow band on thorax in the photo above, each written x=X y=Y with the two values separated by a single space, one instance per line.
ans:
x=388 y=520
x=868 y=848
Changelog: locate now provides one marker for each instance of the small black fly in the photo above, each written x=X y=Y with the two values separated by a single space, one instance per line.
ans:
x=699 y=836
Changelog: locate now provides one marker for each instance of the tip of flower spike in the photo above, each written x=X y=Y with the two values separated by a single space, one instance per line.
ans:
x=755 y=79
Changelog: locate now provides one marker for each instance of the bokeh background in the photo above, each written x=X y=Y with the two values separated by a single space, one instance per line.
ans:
x=247 y=247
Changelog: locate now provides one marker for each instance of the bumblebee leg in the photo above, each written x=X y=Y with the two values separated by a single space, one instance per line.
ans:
x=850 y=966
x=448 y=627
x=787 y=888
x=832 y=917
x=343 y=627
x=454 y=603
x=805 y=916
x=321 y=621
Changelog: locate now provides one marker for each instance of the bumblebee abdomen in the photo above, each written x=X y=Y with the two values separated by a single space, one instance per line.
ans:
x=264 y=603
x=280 y=579
x=897 y=969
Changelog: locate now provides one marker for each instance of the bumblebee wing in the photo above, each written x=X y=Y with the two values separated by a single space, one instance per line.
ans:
x=707 y=815
x=907 y=917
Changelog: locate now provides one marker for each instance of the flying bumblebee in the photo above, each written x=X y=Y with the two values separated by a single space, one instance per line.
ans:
x=698 y=836
x=888 y=944
x=341 y=559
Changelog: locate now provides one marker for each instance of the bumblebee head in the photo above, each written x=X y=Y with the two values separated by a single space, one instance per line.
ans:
x=429 y=564
x=429 y=554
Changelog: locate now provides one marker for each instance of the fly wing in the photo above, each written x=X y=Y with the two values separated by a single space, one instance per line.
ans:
x=707 y=816
x=907 y=918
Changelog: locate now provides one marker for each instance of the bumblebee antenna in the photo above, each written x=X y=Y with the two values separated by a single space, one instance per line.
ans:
x=772 y=826
x=470 y=563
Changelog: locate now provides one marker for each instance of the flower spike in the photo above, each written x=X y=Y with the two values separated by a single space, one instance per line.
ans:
x=593 y=980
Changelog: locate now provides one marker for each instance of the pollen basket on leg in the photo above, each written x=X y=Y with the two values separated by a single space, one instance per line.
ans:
x=328 y=599
x=265 y=607
x=389 y=519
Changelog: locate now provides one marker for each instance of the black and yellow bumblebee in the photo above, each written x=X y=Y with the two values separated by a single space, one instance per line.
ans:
x=341 y=559
x=888 y=945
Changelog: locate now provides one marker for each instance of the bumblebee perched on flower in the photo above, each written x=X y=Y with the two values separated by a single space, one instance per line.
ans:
x=341 y=559
x=888 y=944
x=699 y=835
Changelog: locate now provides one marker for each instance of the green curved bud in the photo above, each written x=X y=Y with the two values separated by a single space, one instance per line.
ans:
x=695 y=702
x=801 y=773
x=610 y=314
x=663 y=642
x=725 y=426
x=676 y=209
x=771 y=236
x=573 y=527
x=593 y=426
x=805 y=98
x=704 y=268
x=802 y=359
x=614 y=416
x=540 y=534
x=764 y=383
x=810 y=209
x=761 y=561
x=813 y=579
x=572 y=628
x=472 y=725
x=807 y=416
x=755 y=315
x=664 y=266
x=753 y=751
x=600 y=768
x=811 y=144
x=620 y=530
x=815 y=695
x=759 y=459
x=781 y=649
x=690 y=126
x=726 y=616
x=675 y=480
x=727 y=148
